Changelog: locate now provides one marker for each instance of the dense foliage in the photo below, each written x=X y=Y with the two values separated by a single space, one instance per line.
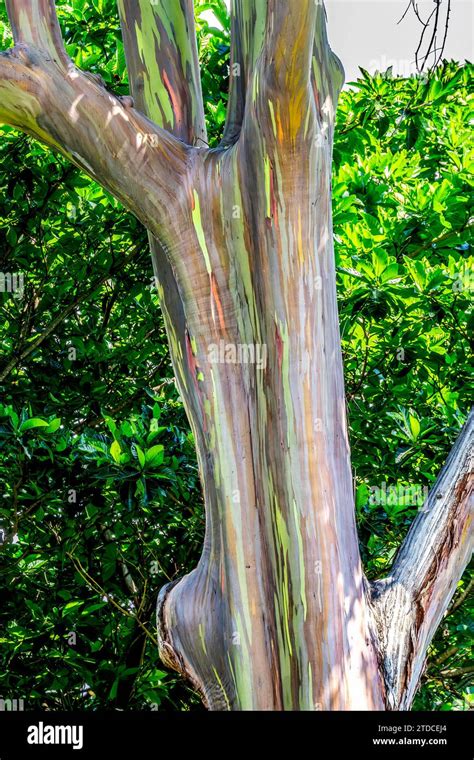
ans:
x=101 y=502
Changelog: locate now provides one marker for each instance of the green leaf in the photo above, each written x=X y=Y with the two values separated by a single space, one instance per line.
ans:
x=54 y=425
x=33 y=422
x=111 y=425
x=71 y=607
x=140 y=455
x=415 y=426
x=390 y=272
x=155 y=455
x=115 y=451
x=362 y=495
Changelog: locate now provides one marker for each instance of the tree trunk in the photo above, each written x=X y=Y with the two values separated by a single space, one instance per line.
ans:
x=278 y=614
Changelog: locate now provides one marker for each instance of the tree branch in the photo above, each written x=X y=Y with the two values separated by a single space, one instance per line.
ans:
x=409 y=604
x=431 y=48
x=157 y=40
x=457 y=672
x=248 y=19
x=137 y=161
x=292 y=59
x=162 y=61
x=327 y=74
x=35 y=23
x=462 y=598
x=288 y=46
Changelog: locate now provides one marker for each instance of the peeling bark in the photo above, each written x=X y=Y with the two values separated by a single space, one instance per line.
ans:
x=408 y=605
x=278 y=614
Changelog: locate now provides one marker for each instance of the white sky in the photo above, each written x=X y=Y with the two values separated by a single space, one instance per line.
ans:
x=365 y=33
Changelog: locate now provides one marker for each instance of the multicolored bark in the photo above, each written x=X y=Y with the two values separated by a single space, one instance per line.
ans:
x=278 y=614
x=162 y=58
x=248 y=19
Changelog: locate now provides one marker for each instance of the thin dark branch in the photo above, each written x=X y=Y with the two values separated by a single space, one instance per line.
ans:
x=433 y=22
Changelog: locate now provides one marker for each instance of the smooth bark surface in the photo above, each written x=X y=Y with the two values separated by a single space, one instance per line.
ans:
x=278 y=614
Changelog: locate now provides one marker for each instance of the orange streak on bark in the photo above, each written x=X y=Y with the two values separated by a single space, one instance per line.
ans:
x=176 y=103
x=281 y=135
x=217 y=301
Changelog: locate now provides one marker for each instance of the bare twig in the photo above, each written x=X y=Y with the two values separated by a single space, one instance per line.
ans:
x=435 y=23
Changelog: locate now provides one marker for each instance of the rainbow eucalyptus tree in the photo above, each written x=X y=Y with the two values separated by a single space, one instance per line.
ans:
x=278 y=615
